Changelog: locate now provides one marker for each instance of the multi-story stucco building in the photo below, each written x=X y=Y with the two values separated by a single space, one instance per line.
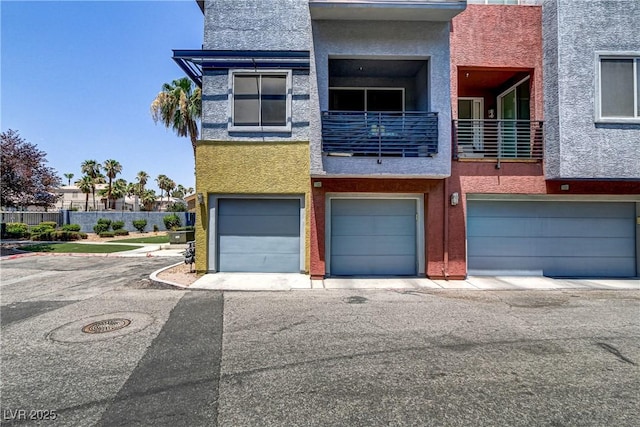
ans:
x=424 y=138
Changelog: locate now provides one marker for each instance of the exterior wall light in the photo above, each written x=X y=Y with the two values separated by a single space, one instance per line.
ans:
x=200 y=197
x=455 y=199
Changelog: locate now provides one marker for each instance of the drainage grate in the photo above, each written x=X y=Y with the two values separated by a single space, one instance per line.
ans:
x=103 y=326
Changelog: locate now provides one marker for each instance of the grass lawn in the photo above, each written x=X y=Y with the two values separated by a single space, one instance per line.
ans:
x=148 y=239
x=77 y=248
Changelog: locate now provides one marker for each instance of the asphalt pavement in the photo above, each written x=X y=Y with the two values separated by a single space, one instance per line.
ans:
x=326 y=357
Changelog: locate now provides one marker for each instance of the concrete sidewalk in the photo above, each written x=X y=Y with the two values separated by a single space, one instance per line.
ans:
x=291 y=281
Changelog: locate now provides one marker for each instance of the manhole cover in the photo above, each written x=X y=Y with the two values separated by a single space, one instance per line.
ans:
x=95 y=328
x=107 y=325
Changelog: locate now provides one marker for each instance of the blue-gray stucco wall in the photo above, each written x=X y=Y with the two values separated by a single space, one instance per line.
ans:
x=88 y=219
x=577 y=146
x=286 y=25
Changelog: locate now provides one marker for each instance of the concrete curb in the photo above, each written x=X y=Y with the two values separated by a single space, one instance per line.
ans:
x=155 y=280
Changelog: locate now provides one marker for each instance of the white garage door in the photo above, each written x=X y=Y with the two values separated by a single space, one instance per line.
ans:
x=373 y=237
x=571 y=239
x=259 y=235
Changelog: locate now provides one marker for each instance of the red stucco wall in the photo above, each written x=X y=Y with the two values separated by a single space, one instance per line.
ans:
x=498 y=37
x=510 y=178
x=433 y=191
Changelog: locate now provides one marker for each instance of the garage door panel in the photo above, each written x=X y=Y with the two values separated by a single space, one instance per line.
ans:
x=271 y=244
x=266 y=207
x=374 y=207
x=373 y=237
x=556 y=238
x=565 y=246
x=259 y=225
x=374 y=265
x=262 y=263
x=554 y=266
x=547 y=227
x=373 y=245
x=380 y=225
x=258 y=235
x=553 y=209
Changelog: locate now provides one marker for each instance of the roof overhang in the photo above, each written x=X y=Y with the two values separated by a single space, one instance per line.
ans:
x=195 y=62
x=386 y=10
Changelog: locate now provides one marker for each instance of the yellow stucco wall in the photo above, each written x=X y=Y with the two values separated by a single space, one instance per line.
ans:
x=249 y=168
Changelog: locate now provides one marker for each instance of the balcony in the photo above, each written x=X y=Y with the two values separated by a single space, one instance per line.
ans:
x=497 y=139
x=382 y=134
x=383 y=10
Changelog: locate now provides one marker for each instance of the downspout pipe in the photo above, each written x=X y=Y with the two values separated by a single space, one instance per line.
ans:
x=445 y=233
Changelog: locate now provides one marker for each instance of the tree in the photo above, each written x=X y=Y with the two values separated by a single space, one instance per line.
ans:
x=119 y=190
x=69 y=177
x=179 y=107
x=164 y=184
x=148 y=199
x=85 y=184
x=92 y=169
x=111 y=168
x=179 y=192
x=26 y=179
x=142 y=178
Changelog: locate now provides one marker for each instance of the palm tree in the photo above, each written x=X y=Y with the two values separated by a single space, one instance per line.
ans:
x=69 y=177
x=162 y=183
x=148 y=199
x=112 y=168
x=85 y=184
x=142 y=178
x=169 y=186
x=189 y=190
x=179 y=107
x=119 y=190
x=179 y=192
x=92 y=169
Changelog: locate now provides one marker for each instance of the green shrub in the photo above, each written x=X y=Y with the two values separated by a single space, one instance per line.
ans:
x=117 y=225
x=155 y=228
x=17 y=230
x=121 y=232
x=171 y=222
x=50 y=224
x=140 y=224
x=102 y=225
x=107 y=234
x=41 y=228
x=82 y=235
x=71 y=227
x=176 y=207
x=65 y=235
x=43 y=236
x=186 y=228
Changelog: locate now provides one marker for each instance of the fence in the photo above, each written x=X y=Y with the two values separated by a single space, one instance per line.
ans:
x=31 y=218
x=88 y=219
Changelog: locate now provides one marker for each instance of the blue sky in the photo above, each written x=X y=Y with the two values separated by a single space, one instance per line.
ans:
x=78 y=77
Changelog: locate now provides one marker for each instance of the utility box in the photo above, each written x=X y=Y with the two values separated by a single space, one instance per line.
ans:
x=181 y=236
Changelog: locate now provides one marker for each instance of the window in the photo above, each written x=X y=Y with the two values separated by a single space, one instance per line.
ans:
x=260 y=101
x=619 y=88
x=366 y=99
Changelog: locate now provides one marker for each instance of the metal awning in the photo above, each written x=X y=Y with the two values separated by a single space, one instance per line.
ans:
x=194 y=62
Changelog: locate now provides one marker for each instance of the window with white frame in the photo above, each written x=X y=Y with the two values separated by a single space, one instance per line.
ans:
x=260 y=101
x=618 y=87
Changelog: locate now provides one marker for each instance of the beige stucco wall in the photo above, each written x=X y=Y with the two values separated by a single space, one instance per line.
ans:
x=248 y=168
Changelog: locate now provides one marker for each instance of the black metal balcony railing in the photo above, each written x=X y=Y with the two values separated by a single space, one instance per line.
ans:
x=408 y=134
x=497 y=139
